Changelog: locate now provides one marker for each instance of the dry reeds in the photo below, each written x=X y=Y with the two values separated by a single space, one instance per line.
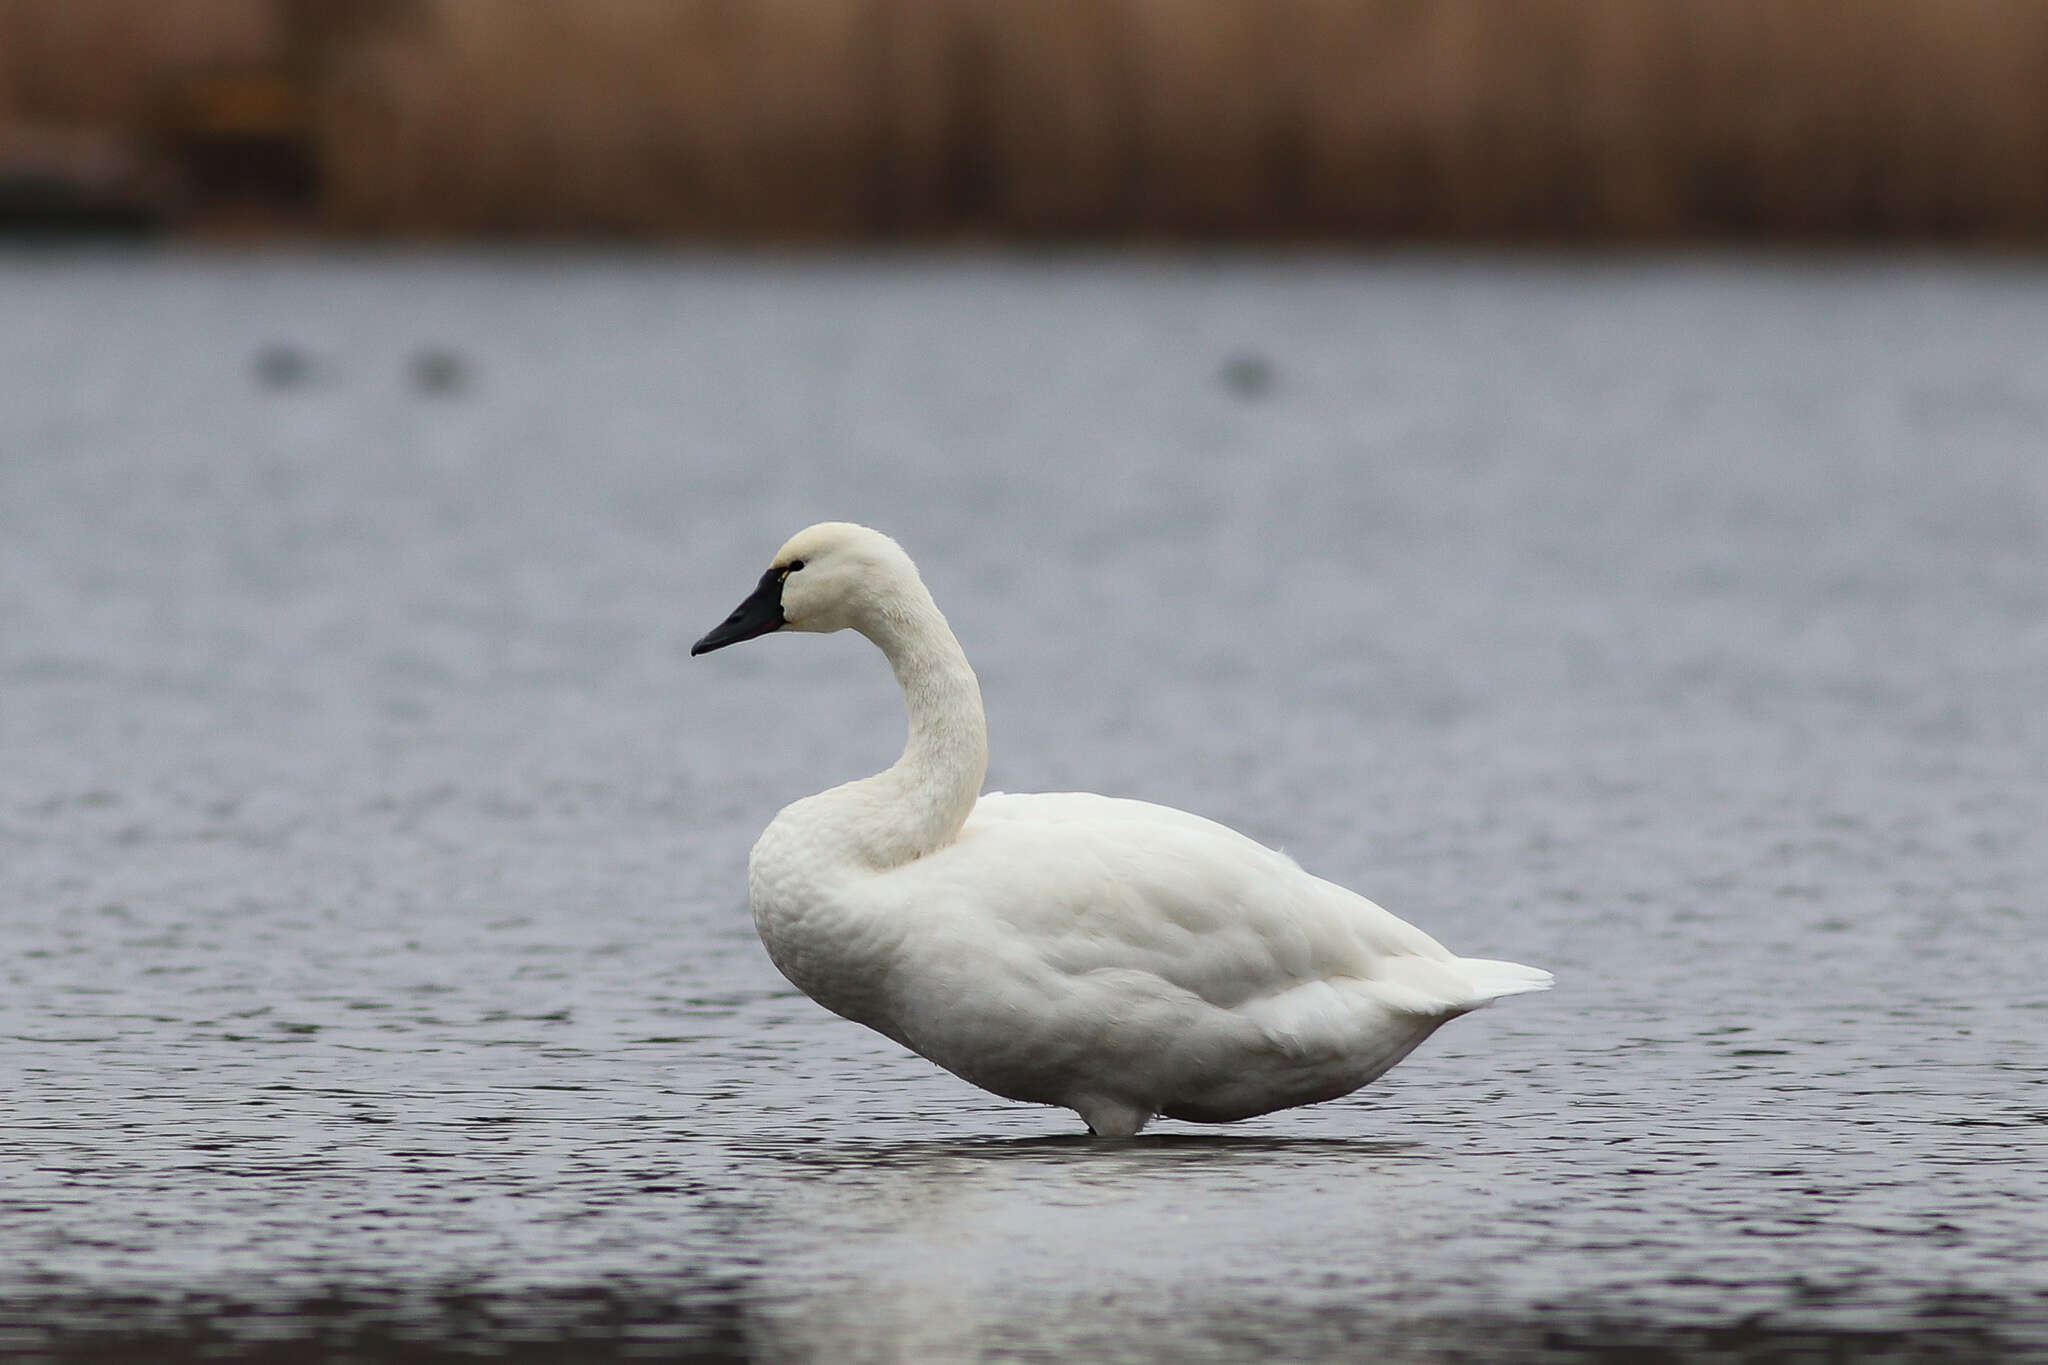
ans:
x=107 y=63
x=1478 y=119
x=1321 y=118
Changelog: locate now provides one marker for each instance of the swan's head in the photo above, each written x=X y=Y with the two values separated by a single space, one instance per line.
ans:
x=827 y=577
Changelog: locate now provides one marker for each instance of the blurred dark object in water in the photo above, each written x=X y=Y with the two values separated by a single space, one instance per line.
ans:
x=281 y=365
x=1248 y=375
x=438 y=371
x=66 y=181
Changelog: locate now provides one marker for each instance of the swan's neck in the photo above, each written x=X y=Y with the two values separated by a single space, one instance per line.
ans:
x=919 y=804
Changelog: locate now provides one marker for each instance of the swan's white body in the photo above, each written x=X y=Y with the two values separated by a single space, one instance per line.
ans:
x=1118 y=958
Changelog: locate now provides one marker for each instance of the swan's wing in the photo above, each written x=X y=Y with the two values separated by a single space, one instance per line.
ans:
x=1075 y=946
x=1080 y=885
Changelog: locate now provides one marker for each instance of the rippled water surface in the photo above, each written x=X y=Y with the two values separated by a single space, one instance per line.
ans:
x=375 y=972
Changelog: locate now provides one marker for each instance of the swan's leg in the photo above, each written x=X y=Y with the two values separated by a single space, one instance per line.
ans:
x=1112 y=1118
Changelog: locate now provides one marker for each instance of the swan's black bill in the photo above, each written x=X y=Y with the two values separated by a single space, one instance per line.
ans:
x=758 y=615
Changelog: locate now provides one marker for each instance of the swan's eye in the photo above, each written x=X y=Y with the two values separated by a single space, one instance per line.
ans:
x=792 y=567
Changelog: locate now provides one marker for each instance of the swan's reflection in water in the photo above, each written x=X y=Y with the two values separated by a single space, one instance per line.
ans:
x=1071 y=1248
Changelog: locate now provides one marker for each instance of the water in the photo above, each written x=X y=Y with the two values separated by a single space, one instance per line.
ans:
x=377 y=976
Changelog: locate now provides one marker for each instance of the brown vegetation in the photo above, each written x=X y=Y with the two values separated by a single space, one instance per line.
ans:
x=107 y=62
x=1479 y=119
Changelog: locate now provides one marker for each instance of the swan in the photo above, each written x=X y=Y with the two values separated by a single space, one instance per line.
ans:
x=1116 y=958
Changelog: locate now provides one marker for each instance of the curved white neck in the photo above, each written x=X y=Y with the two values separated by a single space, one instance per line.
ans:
x=919 y=804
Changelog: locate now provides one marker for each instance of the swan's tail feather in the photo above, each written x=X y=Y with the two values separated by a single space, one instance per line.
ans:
x=1491 y=980
x=1445 y=987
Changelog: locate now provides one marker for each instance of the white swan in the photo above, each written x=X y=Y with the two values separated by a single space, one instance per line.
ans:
x=1120 y=959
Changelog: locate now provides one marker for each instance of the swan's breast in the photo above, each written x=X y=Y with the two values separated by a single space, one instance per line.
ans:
x=820 y=931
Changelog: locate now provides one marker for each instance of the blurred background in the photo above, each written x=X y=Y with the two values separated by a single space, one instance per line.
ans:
x=831 y=120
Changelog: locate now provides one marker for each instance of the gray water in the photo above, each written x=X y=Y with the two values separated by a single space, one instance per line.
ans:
x=378 y=981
